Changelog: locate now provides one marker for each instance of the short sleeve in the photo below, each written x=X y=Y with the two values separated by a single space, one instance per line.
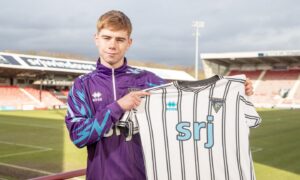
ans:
x=251 y=117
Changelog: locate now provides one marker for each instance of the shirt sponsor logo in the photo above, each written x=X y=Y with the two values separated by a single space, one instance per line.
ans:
x=171 y=106
x=187 y=131
x=97 y=97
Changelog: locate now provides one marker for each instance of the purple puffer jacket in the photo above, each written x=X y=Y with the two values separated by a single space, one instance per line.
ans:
x=92 y=113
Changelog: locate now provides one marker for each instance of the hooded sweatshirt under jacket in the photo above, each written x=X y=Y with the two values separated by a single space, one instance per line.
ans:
x=92 y=112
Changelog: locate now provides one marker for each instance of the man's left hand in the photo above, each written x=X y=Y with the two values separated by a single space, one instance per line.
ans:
x=248 y=87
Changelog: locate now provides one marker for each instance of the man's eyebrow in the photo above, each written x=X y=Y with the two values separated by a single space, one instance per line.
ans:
x=105 y=36
x=120 y=38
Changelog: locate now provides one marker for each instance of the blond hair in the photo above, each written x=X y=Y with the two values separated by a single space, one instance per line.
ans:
x=115 y=21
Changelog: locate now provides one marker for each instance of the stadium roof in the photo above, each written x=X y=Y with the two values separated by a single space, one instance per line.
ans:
x=20 y=64
x=260 y=57
x=169 y=74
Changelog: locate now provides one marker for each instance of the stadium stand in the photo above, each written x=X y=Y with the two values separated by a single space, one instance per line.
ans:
x=274 y=86
x=294 y=95
x=64 y=92
x=60 y=95
x=12 y=96
x=37 y=82
x=275 y=74
x=297 y=96
x=33 y=82
x=253 y=75
x=16 y=98
x=47 y=99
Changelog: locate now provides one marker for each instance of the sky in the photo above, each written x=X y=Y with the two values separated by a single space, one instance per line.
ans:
x=162 y=29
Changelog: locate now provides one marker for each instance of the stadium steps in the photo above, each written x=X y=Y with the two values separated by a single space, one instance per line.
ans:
x=294 y=89
x=257 y=82
x=66 y=93
x=59 y=95
x=38 y=103
x=13 y=96
x=48 y=99
x=249 y=74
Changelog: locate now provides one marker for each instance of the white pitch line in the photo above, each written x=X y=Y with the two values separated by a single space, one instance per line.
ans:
x=28 y=152
x=25 y=168
x=256 y=150
x=22 y=153
x=25 y=145
x=41 y=149
x=33 y=170
x=31 y=125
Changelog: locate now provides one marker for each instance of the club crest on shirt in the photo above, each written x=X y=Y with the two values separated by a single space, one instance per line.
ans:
x=217 y=103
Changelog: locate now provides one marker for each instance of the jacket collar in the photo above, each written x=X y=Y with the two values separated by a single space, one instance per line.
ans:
x=108 y=71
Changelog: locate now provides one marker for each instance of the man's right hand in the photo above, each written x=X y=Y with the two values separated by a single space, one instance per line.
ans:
x=132 y=100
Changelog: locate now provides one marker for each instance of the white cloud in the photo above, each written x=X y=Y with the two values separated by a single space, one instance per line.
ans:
x=162 y=29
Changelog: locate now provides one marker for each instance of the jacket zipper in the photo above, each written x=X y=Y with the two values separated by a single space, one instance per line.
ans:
x=114 y=84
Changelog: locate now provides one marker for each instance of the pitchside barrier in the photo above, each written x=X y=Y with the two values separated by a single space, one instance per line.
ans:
x=64 y=175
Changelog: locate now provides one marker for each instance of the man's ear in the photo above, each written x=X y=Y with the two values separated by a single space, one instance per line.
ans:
x=129 y=42
x=96 y=37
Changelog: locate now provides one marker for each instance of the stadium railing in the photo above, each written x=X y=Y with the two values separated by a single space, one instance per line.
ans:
x=64 y=175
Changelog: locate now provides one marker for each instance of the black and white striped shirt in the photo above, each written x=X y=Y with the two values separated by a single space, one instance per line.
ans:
x=196 y=130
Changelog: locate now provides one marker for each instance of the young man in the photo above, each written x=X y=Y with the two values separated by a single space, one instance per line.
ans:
x=97 y=101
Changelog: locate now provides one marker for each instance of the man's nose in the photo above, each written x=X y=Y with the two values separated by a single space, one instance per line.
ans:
x=112 y=43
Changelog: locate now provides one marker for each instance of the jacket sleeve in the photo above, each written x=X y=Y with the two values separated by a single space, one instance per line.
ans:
x=154 y=80
x=84 y=126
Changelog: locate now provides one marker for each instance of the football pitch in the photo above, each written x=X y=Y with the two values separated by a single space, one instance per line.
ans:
x=36 y=143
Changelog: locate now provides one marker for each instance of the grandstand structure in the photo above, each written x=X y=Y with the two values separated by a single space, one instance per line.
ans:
x=30 y=82
x=275 y=74
x=37 y=82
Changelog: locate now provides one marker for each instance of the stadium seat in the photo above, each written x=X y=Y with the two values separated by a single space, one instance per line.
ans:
x=13 y=96
x=47 y=99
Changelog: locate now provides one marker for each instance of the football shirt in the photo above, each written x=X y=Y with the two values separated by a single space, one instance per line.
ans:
x=196 y=130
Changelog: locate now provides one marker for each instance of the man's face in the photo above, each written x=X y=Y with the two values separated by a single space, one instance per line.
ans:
x=112 y=46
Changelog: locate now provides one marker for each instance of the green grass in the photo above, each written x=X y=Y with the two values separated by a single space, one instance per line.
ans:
x=34 y=143
x=279 y=138
x=37 y=140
